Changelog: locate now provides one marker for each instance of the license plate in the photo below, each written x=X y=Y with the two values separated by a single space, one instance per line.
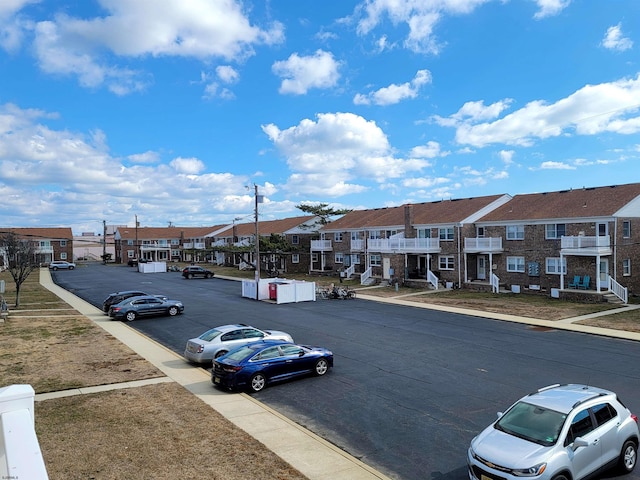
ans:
x=484 y=477
x=217 y=380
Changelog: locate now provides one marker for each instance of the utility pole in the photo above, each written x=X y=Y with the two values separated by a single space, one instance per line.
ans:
x=257 y=244
x=104 y=242
x=136 y=245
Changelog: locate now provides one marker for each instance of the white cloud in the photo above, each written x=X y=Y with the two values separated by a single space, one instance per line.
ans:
x=188 y=166
x=300 y=74
x=506 y=156
x=146 y=157
x=548 y=8
x=197 y=29
x=430 y=150
x=335 y=149
x=556 y=166
x=395 y=93
x=614 y=40
x=606 y=107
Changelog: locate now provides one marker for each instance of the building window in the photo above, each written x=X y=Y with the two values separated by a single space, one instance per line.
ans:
x=131 y=254
x=355 y=259
x=391 y=233
x=314 y=257
x=375 y=259
x=63 y=243
x=515 y=232
x=63 y=255
x=553 y=266
x=339 y=258
x=175 y=253
x=375 y=234
x=337 y=236
x=626 y=267
x=424 y=233
x=446 y=233
x=295 y=258
x=446 y=262
x=129 y=242
x=626 y=229
x=175 y=241
x=295 y=239
x=554 y=230
x=515 y=264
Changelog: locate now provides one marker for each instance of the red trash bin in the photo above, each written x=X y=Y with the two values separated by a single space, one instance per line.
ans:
x=273 y=291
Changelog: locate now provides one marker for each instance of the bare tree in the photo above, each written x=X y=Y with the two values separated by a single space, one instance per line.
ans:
x=20 y=258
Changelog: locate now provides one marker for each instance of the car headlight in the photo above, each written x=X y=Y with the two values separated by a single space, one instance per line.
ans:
x=530 y=472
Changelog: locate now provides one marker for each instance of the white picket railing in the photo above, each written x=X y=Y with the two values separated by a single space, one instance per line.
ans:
x=495 y=283
x=365 y=276
x=432 y=279
x=618 y=290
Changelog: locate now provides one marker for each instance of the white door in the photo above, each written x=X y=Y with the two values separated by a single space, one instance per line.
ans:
x=386 y=266
x=603 y=273
x=482 y=268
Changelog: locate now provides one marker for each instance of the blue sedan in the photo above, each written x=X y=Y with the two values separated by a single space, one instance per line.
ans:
x=255 y=365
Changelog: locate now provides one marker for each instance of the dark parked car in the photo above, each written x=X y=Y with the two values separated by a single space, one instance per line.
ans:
x=149 y=305
x=255 y=365
x=194 y=271
x=118 y=297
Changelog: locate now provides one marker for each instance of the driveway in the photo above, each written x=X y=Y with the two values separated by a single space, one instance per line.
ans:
x=410 y=387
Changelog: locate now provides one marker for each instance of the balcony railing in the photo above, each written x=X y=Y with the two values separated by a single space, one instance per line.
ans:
x=404 y=245
x=357 y=245
x=155 y=246
x=194 y=245
x=44 y=249
x=483 y=244
x=583 y=245
x=321 y=245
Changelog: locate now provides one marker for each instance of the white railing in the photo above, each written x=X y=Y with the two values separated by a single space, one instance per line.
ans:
x=321 y=245
x=20 y=454
x=194 y=245
x=402 y=245
x=42 y=249
x=582 y=241
x=483 y=244
x=357 y=245
x=495 y=283
x=365 y=276
x=432 y=279
x=618 y=290
x=350 y=271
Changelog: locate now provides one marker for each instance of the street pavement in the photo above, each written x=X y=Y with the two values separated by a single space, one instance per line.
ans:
x=310 y=454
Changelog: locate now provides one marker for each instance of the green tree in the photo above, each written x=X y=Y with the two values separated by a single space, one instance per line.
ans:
x=323 y=211
x=21 y=258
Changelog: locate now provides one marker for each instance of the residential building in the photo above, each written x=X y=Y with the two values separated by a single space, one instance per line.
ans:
x=54 y=243
x=542 y=241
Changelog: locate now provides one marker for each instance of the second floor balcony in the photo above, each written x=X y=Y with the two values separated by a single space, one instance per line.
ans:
x=404 y=245
x=583 y=245
x=483 y=245
x=194 y=246
x=321 y=246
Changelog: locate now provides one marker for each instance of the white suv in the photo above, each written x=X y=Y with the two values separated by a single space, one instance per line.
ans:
x=560 y=432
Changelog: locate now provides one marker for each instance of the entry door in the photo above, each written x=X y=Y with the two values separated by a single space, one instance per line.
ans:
x=603 y=275
x=482 y=268
x=386 y=266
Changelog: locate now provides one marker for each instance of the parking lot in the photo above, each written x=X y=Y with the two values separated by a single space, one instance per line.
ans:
x=410 y=387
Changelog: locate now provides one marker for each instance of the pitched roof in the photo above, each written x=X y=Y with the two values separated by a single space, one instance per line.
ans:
x=267 y=227
x=429 y=213
x=53 y=233
x=164 y=233
x=579 y=203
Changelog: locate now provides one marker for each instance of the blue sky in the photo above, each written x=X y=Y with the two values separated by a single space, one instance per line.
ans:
x=172 y=110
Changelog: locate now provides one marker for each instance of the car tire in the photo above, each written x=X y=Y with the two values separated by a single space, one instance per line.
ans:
x=191 y=275
x=628 y=456
x=560 y=477
x=220 y=353
x=322 y=367
x=173 y=311
x=71 y=268
x=208 y=275
x=130 y=316
x=258 y=382
x=54 y=268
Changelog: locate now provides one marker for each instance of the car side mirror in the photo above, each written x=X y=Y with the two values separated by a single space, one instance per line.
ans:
x=499 y=414
x=579 y=442
x=301 y=354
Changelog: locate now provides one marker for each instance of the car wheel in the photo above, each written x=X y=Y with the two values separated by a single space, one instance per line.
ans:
x=130 y=316
x=208 y=275
x=220 y=353
x=322 y=367
x=71 y=268
x=191 y=275
x=258 y=382
x=628 y=456
x=55 y=268
x=560 y=477
x=173 y=311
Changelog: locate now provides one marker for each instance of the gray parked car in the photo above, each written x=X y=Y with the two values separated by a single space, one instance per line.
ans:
x=560 y=432
x=134 y=307
x=220 y=340
x=61 y=264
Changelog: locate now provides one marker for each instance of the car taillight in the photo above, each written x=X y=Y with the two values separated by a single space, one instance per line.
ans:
x=200 y=349
x=115 y=309
x=634 y=417
x=231 y=368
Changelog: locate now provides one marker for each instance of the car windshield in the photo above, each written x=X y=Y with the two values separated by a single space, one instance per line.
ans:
x=210 y=335
x=531 y=422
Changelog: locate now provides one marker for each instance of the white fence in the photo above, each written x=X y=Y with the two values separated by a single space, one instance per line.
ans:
x=280 y=290
x=20 y=455
x=618 y=290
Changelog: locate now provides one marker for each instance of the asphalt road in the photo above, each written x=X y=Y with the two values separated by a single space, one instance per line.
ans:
x=410 y=387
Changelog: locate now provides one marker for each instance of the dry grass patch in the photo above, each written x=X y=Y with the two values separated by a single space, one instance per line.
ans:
x=153 y=432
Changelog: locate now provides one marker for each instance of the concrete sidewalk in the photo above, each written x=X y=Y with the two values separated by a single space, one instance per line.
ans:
x=307 y=452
